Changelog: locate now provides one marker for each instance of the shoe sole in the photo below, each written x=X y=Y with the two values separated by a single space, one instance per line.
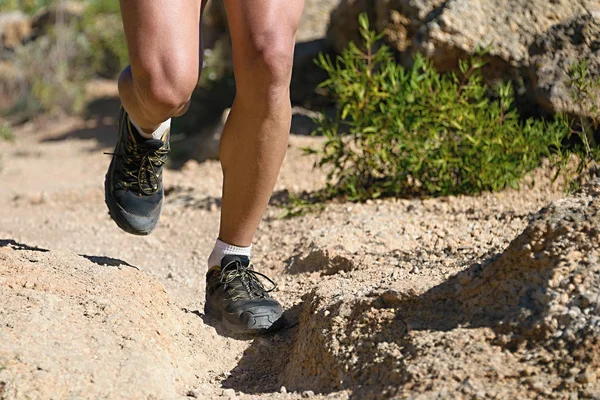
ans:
x=260 y=322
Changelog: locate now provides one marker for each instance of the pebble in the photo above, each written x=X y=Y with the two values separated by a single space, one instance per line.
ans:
x=537 y=385
x=588 y=299
x=587 y=376
x=229 y=393
x=283 y=390
x=308 y=393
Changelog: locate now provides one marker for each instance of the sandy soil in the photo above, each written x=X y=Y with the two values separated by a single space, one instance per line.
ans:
x=52 y=198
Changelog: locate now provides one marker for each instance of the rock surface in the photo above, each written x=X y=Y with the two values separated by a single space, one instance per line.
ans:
x=529 y=316
x=89 y=327
x=507 y=26
x=554 y=52
x=448 y=30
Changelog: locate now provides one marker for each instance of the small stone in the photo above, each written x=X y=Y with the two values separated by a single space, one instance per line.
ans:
x=195 y=393
x=537 y=385
x=588 y=299
x=229 y=393
x=574 y=396
x=587 y=376
x=528 y=371
x=283 y=390
x=308 y=393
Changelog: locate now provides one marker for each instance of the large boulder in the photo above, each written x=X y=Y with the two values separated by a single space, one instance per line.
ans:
x=447 y=30
x=90 y=327
x=525 y=324
x=15 y=28
x=507 y=26
x=554 y=53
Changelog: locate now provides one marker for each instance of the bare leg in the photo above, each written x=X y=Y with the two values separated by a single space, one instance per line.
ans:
x=163 y=39
x=256 y=134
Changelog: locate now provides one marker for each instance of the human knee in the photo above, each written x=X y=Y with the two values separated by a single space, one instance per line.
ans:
x=164 y=85
x=268 y=61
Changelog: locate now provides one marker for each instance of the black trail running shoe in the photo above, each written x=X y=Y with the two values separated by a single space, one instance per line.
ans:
x=133 y=185
x=234 y=294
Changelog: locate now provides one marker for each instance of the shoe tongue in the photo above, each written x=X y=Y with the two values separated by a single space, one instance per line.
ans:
x=154 y=144
x=228 y=259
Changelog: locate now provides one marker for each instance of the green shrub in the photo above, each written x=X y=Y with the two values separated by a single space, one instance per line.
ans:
x=586 y=148
x=27 y=6
x=103 y=28
x=6 y=134
x=413 y=131
x=53 y=70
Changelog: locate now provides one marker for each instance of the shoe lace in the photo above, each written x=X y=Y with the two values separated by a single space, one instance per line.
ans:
x=249 y=278
x=143 y=163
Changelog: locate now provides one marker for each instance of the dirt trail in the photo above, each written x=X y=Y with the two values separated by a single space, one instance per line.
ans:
x=52 y=197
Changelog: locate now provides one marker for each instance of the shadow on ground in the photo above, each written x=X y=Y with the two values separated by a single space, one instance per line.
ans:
x=258 y=370
x=108 y=261
x=98 y=260
x=19 y=246
x=102 y=115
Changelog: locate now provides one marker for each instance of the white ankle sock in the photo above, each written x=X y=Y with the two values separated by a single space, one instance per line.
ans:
x=223 y=249
x=157 y=134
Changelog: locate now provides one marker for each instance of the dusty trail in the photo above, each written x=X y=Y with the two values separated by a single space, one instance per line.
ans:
x=52 y=197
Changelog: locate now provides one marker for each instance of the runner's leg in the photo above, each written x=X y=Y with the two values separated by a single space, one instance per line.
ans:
x=253 y=146
x=255 y=137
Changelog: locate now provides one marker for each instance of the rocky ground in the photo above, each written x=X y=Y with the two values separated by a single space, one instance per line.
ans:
x=491 y=296
x=457 y=297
